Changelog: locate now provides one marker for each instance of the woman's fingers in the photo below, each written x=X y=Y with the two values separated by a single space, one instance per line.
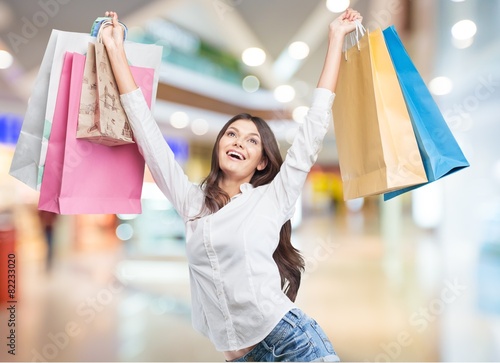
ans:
x=351 y=15
x=111 y=14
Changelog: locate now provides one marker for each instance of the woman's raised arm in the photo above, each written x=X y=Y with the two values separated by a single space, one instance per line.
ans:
x=112 y=37
x=342 y=25
x=167 y=173
x=287 y=185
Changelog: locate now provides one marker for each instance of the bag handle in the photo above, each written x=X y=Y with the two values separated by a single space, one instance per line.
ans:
x=107 y=22
x=353 y=38
x=102 y=22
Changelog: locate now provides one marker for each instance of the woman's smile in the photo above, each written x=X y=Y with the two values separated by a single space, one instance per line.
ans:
x=235 y=155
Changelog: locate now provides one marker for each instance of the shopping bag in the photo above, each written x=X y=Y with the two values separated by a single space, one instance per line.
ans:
x=439 y=150
x=376 y=144
x=82 y=177
x=26 y=160
x=31 y=149
x=51 y=188
x=102 y=118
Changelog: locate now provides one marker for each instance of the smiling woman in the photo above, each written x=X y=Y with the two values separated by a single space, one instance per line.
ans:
x=244 y=271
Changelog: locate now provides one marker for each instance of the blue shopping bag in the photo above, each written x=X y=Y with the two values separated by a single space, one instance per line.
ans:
x=438 y=148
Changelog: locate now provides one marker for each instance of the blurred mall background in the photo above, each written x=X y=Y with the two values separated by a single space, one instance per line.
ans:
x=413 y=279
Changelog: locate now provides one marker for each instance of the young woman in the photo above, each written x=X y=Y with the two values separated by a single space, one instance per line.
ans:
x=244 y=272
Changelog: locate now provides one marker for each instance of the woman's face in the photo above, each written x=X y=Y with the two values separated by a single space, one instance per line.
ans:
x=240 y=151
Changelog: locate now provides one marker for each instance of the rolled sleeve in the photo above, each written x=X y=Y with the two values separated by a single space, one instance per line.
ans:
x=322 y=98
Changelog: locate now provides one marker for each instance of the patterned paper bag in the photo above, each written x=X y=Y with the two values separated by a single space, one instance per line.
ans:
x=101 y=118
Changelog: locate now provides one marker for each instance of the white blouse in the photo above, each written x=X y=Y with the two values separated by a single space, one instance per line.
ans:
x=235 y=284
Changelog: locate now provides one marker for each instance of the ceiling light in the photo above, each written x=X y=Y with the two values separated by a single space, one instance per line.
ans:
x=250 y=84
x=464 y=29
x=284 y=93
x=299 y=114
x=199 y=127
x=127 y=217
x=253 y=57
x=179 y=119
x=337 y=6
x=6 y=59
x=440 y=86
x=124 y=231
x=298 y=50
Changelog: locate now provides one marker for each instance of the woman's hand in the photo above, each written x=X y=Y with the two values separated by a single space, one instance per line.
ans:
x=112 y=34
x=341 y=26
x=345 y=23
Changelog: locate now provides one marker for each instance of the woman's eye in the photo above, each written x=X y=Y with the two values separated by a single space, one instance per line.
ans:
x=253 y=141
x=231 y=134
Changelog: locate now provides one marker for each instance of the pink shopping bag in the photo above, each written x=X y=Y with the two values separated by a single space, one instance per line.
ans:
x=82 y=177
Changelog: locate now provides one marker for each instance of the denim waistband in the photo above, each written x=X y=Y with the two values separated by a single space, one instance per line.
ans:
x=292 y=318
x=295 y=324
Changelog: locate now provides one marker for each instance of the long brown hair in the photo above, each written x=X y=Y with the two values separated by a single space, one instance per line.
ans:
x=288 y=259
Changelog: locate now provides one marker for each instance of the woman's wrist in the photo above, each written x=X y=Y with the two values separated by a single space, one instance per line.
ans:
x=117 y=57
x=121 y=69
x=116 y=52
x=336 y=35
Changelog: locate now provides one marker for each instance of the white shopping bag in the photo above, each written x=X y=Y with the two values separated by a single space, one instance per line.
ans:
x=25 y=163
x=31 y=150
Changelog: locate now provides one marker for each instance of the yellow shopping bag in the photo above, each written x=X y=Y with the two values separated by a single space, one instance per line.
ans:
x=377 y=148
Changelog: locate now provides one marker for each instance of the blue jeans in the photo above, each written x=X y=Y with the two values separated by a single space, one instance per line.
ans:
x=296 y=338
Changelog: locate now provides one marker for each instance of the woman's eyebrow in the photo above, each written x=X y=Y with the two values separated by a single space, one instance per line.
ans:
x=238 y=131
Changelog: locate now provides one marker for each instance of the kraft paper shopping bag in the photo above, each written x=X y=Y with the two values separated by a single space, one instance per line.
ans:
x=102 y=118
x=82 y=177
x=376 y=144
x=439 y=150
